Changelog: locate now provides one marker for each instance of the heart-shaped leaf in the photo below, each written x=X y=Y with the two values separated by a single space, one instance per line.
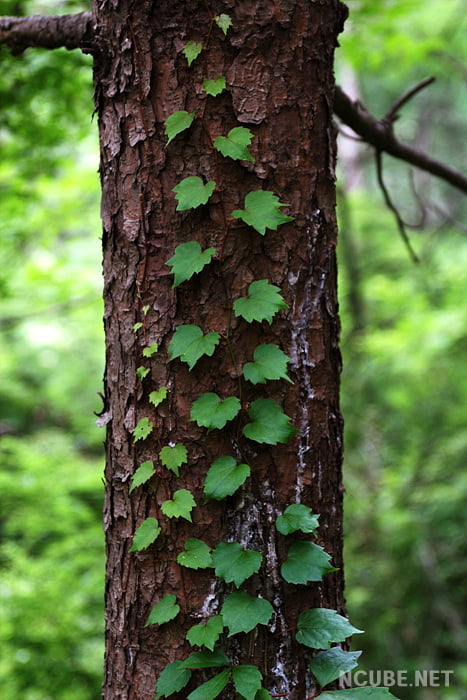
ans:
x=235 y=564
x=269 y=424
x=145 y=534
x=224 y=477
x=261 y=304
x=189 y=259
x=329 y=665
x=320 y=627
x=210 y=412
x=166 y=609
x=189 y=344
x=235 y=144
x=196 y=555
x=192 y=192
x=306 y=562
x=242 y=612
x=262 y=211
x=269 y=363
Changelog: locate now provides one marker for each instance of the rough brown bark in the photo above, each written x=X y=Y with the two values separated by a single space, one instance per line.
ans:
x=277 y=59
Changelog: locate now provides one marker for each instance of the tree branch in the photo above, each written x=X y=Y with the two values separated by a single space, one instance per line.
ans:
x=47 y=32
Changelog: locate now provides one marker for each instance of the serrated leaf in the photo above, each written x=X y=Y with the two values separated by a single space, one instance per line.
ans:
x=189 y=344
x=269 y=363
x=247 y=680
x=196 y=555
x=150 y=350
x=212 y=688
x=329 y=665
x=320 y=627
x=142 y=372
x=261 y=304
x=235 y=144
x=178 y=122
x=164 y=611
x=234 y=564
x=143 y=428
x=210 y=412
x=206 y=635
x=145 y=534
x=180 y=506
x=172 y=680
x=223 y=21
x=297 y=517
x=242 y=612
x=144 y=472
x=214 y=87
x=192 y=50
x=173 y=456
x=306 y=562
x=189 y=259
x=365 y=693
x=224 y=477
x=157 y=397
x=206 y=659
x=269 y=424
x=262 y=211
x=192 y=192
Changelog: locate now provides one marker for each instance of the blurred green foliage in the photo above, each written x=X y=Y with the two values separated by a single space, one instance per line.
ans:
x=404 y=345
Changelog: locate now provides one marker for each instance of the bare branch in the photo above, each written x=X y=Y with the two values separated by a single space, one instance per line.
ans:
x=392 y=114
x=47 y=32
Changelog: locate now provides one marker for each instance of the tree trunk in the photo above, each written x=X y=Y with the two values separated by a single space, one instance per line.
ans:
x=277 y=59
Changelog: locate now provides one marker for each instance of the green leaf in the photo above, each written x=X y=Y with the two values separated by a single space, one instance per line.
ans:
x=173 y=456
x=365 y=693
x=145 y=534
x=261 y=304
x=206 y=659
x=143 y=428
x=263 y=694
x=208 y=634
x=188 y=260
x=157 y=397
x=137 y=326
x=180 y=506
x=191 y=192
x=224 y=477
x=196 y=555
x=142 y=474
x=189 y=344
x=192 y=50
x=297 y=517
x=172 y=680
x=150 y=350
x=247 y=680
x=178 y=122
x=166 y=609
x=214 y=87
x=212 y=688
x=223 y=21
x=269 y=423
x=319 y=627
x=329 y=665
x=211 y=412
x=234 y=564
x=146 y=308
x=306 y=562
x=242 y=612
x=262 y=211
x=269 y=363
x=235 y=144
x=142 y=372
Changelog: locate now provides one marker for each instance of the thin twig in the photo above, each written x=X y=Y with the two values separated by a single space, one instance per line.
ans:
x=391 y=115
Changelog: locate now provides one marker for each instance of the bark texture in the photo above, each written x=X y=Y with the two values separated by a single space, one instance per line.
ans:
x=277 y=59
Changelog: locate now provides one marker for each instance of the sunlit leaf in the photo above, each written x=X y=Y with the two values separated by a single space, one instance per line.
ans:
x=223 y=21
x=261 y=304
x=180 y=505
x=262 y=211
x=192 y=50
x=150 y=350
x=189 y=259
x=143 y=428
x=173 y=456
x=192 y=192
x=206 y=635
x=142 y=372
x=189 y=344
x=144 y=472
x=166 y=609
x=224 y=477
x=214 y=87
x=235 y=144
x=145 y=534
x=157 y=397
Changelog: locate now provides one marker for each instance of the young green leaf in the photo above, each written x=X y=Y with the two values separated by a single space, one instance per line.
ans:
x=196 y=555
x=143 y=428
x=297 y=517
x=206 y=635
x=142 y=474
x=150 y=350
x=235 y=144
x=306 y=562
x=146 y=308
x=172 y=680
x=189 y=344
x=263 y=694
x=234 y=564
x=214 y=87
x=180 y=506
x=142 y=372
x=364 y=693
x=319 y=627
x=261 y=304
x=212 y=688
x=145 y=534
x=137 y=326
x=210 y=412
x=192 y=50
x=224 y=477
x=178 y=122
x=188 y=260
x=329 y=665
x=157 y=397
x=166 y=609
x=268 y=423
x=223 y=21
x=173 y=456
x=262 y=211
x=269 y=363
x=192 y=192
x=207 y=659
x=247 y=680
x=242 y=612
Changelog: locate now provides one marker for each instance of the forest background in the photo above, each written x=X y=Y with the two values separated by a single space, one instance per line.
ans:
x=404 y=342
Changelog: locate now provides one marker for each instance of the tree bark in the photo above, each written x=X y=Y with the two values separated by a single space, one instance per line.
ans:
x=277 y=59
